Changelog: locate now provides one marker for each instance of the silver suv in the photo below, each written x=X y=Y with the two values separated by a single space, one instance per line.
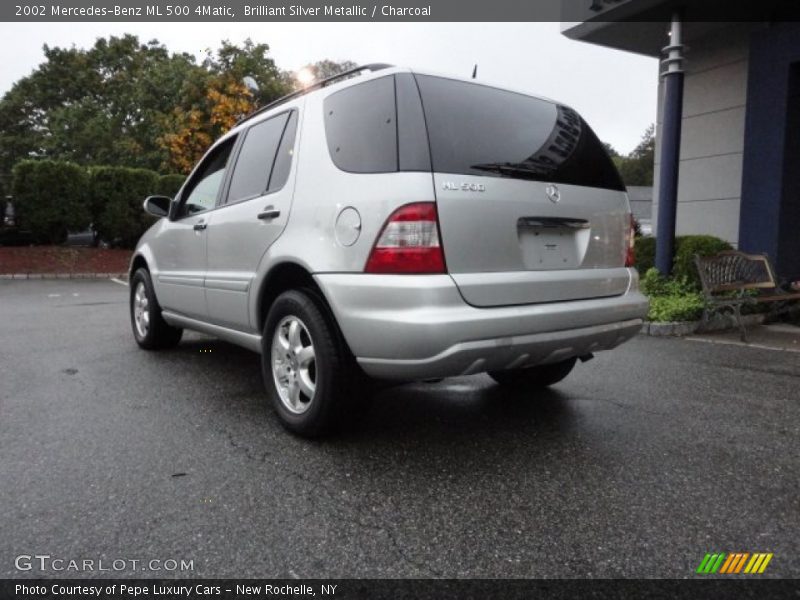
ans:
x=395 y=225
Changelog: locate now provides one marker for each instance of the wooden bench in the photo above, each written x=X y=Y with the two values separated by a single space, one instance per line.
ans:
x=733 y=279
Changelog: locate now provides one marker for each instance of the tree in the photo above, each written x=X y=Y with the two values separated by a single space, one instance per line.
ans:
x=319 y=70
x=637 y=167
x=328 y=68
x=234 y=63
x=101 y=105
x=117 y=102
x=192 y=131
x=610 y=150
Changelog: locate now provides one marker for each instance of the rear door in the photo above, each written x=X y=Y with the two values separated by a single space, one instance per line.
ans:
x=254 y=213
x=531 y=208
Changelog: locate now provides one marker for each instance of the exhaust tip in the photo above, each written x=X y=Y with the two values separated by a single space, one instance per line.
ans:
x=586 y=357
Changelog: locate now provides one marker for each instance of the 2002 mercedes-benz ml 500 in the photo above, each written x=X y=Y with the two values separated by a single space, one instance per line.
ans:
x=397 y=225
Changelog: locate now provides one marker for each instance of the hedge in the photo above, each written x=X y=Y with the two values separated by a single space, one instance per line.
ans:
x=644 y=252
x=50 y=198
x=117 y=194
x=686 y=246
x=168 y=185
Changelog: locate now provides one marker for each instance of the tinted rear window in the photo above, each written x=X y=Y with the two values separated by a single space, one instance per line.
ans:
x=377 y=127
x=480 y=130
x=360 y=127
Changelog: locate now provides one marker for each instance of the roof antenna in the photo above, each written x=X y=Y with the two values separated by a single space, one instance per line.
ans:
x=475 y=71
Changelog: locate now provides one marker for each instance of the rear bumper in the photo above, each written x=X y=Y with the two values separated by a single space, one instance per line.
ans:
x=419 y=327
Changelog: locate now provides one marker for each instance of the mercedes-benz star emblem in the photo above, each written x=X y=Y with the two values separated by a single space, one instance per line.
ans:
x=553 y=193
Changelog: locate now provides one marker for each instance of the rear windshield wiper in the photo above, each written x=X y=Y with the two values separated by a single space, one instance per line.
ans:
x=508 y=168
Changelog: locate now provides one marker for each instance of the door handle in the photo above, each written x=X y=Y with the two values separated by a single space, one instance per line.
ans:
x=200 y=226
x=269 y=213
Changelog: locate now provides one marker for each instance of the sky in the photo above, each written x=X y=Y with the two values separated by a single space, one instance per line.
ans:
x=615 y=91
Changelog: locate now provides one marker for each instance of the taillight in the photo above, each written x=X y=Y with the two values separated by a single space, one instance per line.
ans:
x=630 y=238
x=408 y=242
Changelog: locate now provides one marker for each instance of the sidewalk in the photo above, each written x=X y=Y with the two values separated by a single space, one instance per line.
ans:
x=779 y=336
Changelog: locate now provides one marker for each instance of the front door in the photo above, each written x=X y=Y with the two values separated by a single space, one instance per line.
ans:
x=181 y=244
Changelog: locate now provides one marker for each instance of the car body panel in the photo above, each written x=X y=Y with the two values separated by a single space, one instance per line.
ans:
x=496 y=307
x=428 y=324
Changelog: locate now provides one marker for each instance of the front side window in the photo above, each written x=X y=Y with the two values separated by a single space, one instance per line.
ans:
x=202 y=190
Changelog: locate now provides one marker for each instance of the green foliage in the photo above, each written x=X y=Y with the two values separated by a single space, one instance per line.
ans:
x=328 y=68
x=644 y=251
x=669 y=309
x=686 y=247
x=654 y=284
x=98 y=105
x=111 y=103
x=236 y=62
x=637 y=167
x=610 y=150
x=117 y=194
x=168 y=185
x=50 y=198
x=671 y=299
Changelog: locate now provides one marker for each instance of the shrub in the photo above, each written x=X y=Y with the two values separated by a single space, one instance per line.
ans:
x=667 y=309
x=168 y=185
x=686 y=247
x=117 y=194
x=671 y=299
x=644 y=251
x=653 y=284
x=50 y=198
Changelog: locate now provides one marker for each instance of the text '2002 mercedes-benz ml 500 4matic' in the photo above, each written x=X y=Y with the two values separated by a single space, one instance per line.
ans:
x=394 y=225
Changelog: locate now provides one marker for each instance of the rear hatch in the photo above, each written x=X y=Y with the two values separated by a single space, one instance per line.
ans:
x=531 y=208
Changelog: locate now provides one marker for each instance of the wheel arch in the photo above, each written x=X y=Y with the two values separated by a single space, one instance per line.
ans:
x=137 y=262
x=281 y=277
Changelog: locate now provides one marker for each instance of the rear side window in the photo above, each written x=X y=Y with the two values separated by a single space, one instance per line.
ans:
x=377 y=127
x=254 y=164
x=360 y=127
x=480 y=130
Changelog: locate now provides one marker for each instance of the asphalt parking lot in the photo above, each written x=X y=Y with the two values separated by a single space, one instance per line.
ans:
x=638 y=464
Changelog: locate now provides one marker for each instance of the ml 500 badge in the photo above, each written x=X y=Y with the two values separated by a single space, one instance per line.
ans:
x=451 y=186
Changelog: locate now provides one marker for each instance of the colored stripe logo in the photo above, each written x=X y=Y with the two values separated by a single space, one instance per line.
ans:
x=733 y=563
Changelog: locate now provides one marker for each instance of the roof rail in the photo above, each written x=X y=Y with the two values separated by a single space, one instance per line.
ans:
x=314 y=86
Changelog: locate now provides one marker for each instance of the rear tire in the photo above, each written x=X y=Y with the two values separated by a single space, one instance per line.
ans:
x=534 y=377
x=309 y=374
x=150 y=330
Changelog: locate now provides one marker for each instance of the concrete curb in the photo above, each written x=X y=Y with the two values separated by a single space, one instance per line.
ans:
x=677 y=329
x=684 y=328
x=63 y=275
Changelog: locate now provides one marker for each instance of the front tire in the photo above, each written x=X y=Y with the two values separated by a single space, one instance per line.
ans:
x=534 y=377
x=150 y=330
x=308 y=371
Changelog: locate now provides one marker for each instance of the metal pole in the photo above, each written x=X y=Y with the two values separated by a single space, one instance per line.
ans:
x=670 y=149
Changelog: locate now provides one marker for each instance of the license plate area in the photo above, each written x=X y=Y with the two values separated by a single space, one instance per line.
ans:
x=548 y=243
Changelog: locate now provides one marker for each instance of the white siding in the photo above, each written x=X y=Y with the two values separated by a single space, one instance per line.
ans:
x=715 y=91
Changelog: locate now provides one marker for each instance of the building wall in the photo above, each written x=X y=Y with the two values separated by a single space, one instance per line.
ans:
x=712 y=142
x=770 y=211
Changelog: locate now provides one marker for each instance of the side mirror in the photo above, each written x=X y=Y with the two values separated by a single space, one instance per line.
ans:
x=158 y=206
